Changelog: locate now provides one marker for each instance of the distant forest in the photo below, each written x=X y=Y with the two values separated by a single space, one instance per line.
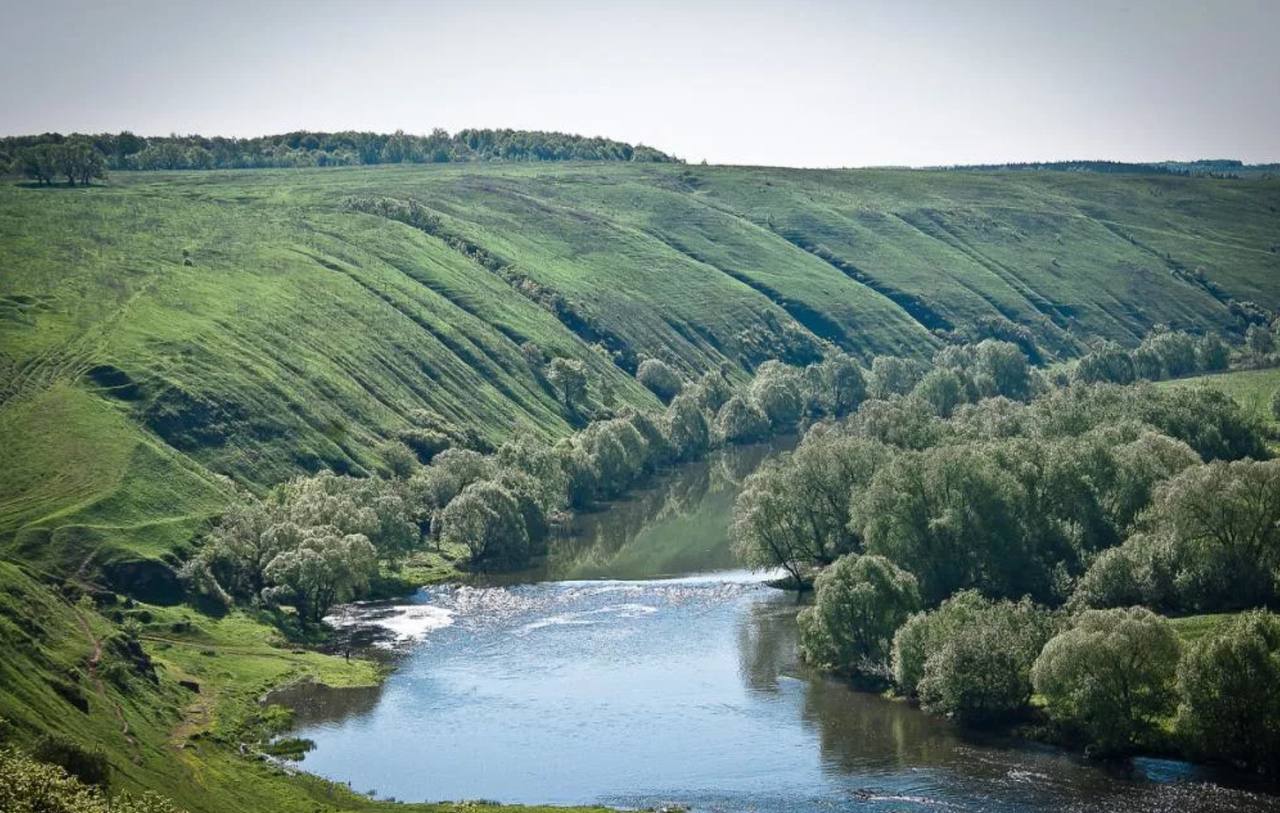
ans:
x=1211 y=167
x=126 y=151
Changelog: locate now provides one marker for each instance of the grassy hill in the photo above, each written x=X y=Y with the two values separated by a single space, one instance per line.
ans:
x=168 y=338
x=169 y=335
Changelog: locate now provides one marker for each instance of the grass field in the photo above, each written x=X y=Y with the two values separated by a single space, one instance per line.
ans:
x=169 y=338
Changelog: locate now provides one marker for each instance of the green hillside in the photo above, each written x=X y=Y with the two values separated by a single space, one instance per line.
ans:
x=186 y=333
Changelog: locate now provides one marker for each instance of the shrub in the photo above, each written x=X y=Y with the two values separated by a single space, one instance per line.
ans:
x=954 y=516
x=425 y=443
x=90 y=767
x=398 y=459
x=1137 y=572
x=776 y=390
x=712 y=390
x=891 y=376
x=1000 y=368
x=660 y=378
x=741 y=421
x=687 y=430
x=923 y=633
x=979 y=675
x=1107 y=362
x=859 y=602
x=570 y=377
x=486 y=518
x=971 y=658
x=1110 y=675
x=1223 y=523
x=1212 y=353
x=942 y=389
x=1227 y=682
x=836 y=385
x=1260 y=342
x=30 y=786
x=324 y=567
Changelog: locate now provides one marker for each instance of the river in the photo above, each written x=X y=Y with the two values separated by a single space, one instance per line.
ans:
x=637 y=668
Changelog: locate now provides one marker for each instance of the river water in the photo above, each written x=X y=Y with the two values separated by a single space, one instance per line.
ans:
x=636 y=668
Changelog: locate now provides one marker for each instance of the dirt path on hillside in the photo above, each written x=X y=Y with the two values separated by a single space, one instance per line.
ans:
x=99 y=686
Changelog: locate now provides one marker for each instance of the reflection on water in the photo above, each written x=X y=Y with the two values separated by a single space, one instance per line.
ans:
x=678 y=526
x=679 y=690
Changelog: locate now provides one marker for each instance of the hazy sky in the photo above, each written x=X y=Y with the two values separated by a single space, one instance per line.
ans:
x=798 y=83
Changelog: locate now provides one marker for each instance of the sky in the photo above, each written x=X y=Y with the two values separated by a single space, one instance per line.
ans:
x=800 y=83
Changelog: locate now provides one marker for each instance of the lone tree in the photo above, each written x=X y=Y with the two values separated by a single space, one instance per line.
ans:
x=570 y=377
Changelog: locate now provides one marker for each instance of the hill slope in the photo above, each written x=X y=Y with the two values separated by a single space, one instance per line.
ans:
x=168 y=331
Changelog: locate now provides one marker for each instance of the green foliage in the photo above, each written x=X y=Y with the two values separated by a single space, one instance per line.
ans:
x=318 y=149
x=75 y=159
x=256 y=327
x=980 y=670
x=858 y=604
x=1110 y=676
x=1227 y=681
x=971 y=657
x=835 y=386
x=1001 y=369
x=1210 y=542
x=740 y=420
x=687 y=430
x=569 y=376
x=313 y=542
x=32 y=786
x=659 y=378
x=776 y=390
x=1212 y=353
x=196 y=358
x=317 y=568
x=1162 y=354
x=891 y=376
x=1207 y=420
x=89 y=767
x=486 y=518
x=398 y=459
x=540 y=464
x=712 y=391
x=793 y=511
x=942 y=389
x=951 y=515
x=1107 y=362
x=1260 y=342
x=1166 y=354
